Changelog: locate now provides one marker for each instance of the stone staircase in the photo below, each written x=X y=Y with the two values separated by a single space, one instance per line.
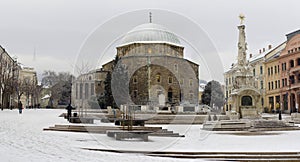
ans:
x=157 y=131
x=270 y=124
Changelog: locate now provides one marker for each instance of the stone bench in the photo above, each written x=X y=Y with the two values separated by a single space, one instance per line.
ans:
x=124 y=134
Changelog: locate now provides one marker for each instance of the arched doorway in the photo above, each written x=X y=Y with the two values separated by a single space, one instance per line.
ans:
x=293 y=103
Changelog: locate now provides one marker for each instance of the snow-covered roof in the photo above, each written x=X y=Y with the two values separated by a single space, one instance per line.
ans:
x=150 y=33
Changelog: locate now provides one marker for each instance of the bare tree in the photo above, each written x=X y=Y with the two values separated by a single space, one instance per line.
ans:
x=60 y=86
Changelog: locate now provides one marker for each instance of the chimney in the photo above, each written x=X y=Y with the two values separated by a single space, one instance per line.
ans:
x=270 y=46
x=259 y=51
x=250 y=55
x=264 y=49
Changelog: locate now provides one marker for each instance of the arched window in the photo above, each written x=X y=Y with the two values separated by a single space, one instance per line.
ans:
x=246 y=101
x=170 y=80
x=291 y=63
x=158 y=78
x=149 y=50
x=135 y=79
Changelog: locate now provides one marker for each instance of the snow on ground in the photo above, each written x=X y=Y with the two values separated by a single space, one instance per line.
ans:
x=22 y=139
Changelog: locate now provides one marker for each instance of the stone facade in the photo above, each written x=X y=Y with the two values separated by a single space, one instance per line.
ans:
x=149 y=69
x=9 y=71
x=153 y=74
x=86 y=87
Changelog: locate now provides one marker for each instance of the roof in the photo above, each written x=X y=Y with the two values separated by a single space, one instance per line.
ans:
x=290 y=35
x=150 y=33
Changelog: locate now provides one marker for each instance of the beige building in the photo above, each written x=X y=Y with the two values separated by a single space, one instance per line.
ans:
x=272 y=79
x=28 y=87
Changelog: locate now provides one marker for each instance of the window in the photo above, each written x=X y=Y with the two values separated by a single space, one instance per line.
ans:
x=135 y=94
x=86 y=90
x=261 y=84
x=272 y=85
x=269 y=86
x=271 y=70
x=278 y=68
x=158 y=78
x=176 y=67
x=298 y=61
x=283 y=66
x=275 y=69
x=135 y=79
x=191 y=83
x=268 y=71
x=181 y=81
x=282 y=82
x=285 y=81
x=92 y=89
x=149 y=50
x=261 y=70
x=226 y=81
x=170 y=80
x=291 y=63
x=80 y=90
x=292 y=79
x=253 y=72
x=276 y=84
x=76 y=91
x=229 y=80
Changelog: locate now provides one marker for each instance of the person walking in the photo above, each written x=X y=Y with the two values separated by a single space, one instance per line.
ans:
x=20 y=106
x=69 y=111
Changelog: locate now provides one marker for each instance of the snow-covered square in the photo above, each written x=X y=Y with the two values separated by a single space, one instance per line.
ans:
x=23 y=139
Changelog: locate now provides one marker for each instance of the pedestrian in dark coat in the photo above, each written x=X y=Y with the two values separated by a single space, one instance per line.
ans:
x=20 y=107
x=69 y=111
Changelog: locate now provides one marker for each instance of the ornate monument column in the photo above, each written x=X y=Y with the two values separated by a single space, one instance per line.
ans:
x=245 y=97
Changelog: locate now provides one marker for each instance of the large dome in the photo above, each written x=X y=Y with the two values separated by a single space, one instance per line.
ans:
x=150 y=33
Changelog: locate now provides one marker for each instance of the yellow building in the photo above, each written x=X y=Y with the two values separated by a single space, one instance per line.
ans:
x=272 y=79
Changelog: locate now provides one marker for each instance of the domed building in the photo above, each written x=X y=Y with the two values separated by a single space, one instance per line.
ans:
x=157 y=72
x=150 y=69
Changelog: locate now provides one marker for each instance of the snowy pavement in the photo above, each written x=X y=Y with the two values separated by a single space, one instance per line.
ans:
x=22 y=139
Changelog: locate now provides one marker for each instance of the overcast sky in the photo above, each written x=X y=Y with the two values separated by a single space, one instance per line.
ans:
x=51 y=34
